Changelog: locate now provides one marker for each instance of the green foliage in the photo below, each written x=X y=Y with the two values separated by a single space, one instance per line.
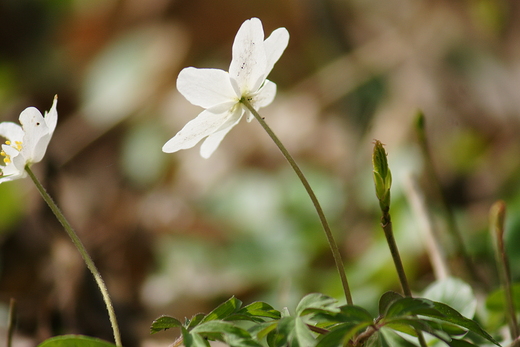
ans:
x=74 y=340
x=320 y=321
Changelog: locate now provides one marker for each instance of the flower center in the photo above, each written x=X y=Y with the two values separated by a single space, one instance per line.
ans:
x=17 y=145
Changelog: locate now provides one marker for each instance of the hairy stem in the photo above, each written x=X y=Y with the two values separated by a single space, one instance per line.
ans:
x=84 y=254
x=332 y=243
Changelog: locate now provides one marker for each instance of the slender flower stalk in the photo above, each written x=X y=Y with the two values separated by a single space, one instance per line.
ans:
x=11 y=322
x=82 y=250
x=328 y=233
x=383 y=183
x=497 y=217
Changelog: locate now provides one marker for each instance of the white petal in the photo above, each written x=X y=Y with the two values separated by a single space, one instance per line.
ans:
x=213 y=141
x=221 y=108
x=261 y=99
x=37 y=134
x=15 y=168
x=51 y=117
x=11 y=131
x=248 y=66
x=205 y=124
x=274 y=45
x=265 y=95
x=205 y=87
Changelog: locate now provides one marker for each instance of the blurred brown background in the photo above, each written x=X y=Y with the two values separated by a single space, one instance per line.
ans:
x=177 y=234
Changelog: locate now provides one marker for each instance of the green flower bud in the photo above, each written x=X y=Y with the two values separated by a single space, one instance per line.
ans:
x=382 y=175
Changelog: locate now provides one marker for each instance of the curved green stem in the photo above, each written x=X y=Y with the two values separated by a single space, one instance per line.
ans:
x=497 y=221
x=332 y=243
x=82 y=250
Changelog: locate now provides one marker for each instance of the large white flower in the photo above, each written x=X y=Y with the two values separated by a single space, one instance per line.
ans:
x=26 y=144
x=220 y=92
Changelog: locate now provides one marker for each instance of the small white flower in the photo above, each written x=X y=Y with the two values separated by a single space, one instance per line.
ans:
x=220 y=92
x=28 y=143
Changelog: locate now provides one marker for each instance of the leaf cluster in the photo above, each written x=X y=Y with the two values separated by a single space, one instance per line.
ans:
x=319 y=321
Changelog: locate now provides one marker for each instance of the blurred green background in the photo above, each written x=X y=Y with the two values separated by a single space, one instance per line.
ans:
x=177 y=234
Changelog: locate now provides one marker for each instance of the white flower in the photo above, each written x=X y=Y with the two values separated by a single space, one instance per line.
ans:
x=26 y=144
x=220 y=92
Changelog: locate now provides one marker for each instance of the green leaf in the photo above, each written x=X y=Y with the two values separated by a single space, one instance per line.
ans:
x=224 y=310
x=76 y=341
x=255 y=310
x=301 y=335
x=496 y=302
x=164 y=323
x=455 y=293
x=263 y=329
x=339 y=335
x=193 y=340
x=452 y=316
x=355 y=314
x=316 y=301
x=377 y=340
x=410 y=306
x=220 y=327
x=279 y=337
x=194 y=321
x=386 y=300
x=405 y=325
x=394 y=339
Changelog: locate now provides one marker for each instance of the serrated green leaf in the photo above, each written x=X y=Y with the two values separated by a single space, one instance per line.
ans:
x=259 y=309
x=355 y=314
x=76 y=341
x=316 y=301
x=193 y=340
x=220 y=327
x=164 y=323
x=452 y=316
x=386 y=300
x=263 y=329
x=410 y=306
x=223 y=310
x=194 y=321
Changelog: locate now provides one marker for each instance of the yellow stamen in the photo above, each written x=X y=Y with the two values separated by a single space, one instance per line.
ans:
x=18 y=145
x=2 y=153
x=8 y=142
x=7 y=160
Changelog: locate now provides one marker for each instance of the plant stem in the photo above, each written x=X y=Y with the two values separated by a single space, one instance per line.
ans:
x=86 y=257
x=11 y=322
x=330 y=238
x=433 y=179
x=386 y=224
x=497 y=217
